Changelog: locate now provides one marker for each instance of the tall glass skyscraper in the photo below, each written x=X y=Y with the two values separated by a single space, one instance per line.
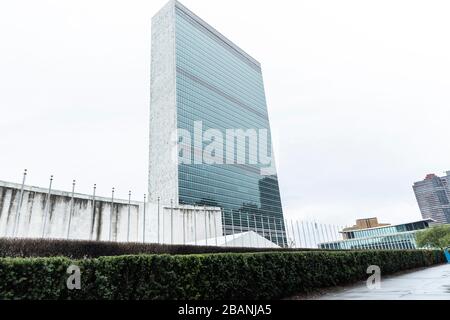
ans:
x=433 y=197
x=210 y=140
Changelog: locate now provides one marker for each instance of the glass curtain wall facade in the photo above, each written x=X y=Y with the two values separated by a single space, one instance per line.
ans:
x=419 y=225
x=391 y=242
x=402 y=236
x=220 y=87
x=223 y=88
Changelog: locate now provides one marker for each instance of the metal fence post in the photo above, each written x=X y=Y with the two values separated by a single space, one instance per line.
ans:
x=299 y=234
x=224 y=229
x=47 y=206
x=183 y=213
x=270 y=229
x=293 y=233
x=232 y=227
x=284 y=233
x=206 y=226
x=267 y=237
x=195 y=225
x=315 y=232
x=240 y=223
x=256 y=230
x=163 y=224
x=310 y=234
x=262 y=226
x=279 y=232
x=19 y=206
x=248 y=230
x=215 y=228
x=71 y=209
x=289 y=234
x=304 y=235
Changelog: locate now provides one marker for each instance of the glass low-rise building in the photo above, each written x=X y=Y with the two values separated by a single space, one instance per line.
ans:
x=401 y=236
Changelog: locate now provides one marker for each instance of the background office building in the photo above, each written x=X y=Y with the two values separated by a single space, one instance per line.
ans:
x=433 y=197
x=387 y=237
x=366 y=223
x=199 y=75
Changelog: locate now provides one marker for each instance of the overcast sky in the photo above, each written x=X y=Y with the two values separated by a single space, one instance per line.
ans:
x=358 y=95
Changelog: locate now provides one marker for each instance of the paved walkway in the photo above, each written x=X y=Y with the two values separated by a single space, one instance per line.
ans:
x=426 y=284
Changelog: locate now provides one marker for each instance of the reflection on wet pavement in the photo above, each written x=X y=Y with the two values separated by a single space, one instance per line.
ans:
x=427 y=284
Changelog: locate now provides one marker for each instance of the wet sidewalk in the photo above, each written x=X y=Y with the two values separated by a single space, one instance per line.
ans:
x=426 y=284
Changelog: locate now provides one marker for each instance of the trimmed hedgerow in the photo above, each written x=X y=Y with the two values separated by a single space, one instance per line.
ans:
x=76 y=249
x=210 y=276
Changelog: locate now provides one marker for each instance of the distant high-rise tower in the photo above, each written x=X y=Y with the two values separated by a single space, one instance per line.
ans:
x=204 y=86
x=433 y=197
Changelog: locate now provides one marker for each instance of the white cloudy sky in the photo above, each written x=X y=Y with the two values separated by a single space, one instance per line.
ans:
x=358 y=94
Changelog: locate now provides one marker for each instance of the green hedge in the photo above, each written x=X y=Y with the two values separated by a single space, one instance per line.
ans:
x=79 y=249
x=210 y=277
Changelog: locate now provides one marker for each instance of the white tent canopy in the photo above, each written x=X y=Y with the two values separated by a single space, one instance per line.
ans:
x=244 y=239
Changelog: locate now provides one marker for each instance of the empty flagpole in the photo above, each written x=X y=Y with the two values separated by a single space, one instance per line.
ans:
x=111 y=215
x=158 y=221
x=171 y=221
x=47 y=206
x=129 y=216
x=93 y=212
x=19 y=205
x=143 y=224
x=71 y=209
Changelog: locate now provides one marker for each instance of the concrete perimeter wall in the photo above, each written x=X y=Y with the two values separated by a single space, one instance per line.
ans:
x=178 y=225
